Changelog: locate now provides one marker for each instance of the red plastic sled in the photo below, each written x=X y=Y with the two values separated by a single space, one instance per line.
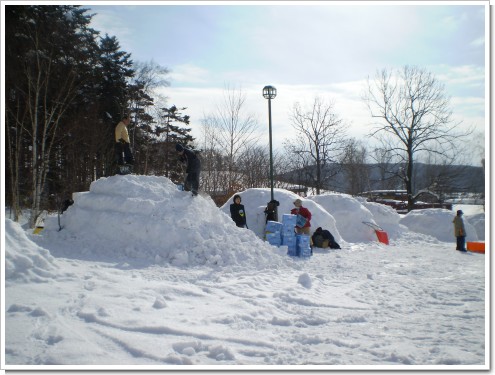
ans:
x=380 y=233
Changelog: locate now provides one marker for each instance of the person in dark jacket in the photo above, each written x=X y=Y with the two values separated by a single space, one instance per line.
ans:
x=271 y=210
x=193 y=168
x=323 y=238
x=238 y=213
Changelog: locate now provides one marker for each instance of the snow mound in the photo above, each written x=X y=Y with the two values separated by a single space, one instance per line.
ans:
x=148 y=218
x=349 y=215
x=478 y=222
x=24 y=260
x=256 y=199
x=437 y=223
x=386 y=217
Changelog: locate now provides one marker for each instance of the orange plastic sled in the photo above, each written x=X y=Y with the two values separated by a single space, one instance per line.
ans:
x=476 y=247
x=382 y=236
x=380 y=233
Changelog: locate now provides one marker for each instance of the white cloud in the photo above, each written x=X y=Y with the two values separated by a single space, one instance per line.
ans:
x=113 y=24
x=189 y=73
x=479 y=42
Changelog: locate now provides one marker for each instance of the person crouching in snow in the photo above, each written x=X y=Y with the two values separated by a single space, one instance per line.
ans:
x=323 y=238
x=238 y=213
x=193 y=168
x=460 y=231
x=305 y=214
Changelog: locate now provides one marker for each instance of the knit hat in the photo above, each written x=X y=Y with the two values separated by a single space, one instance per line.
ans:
x=459 y=212
x=297 y=202
x=179 y=147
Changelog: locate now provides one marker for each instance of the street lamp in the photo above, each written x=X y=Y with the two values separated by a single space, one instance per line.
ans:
x=270 y=92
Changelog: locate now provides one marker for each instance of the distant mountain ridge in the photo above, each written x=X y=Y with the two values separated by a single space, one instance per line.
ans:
x=448 y=179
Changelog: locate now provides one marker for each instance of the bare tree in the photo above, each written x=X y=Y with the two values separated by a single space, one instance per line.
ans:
x=388 y=172
x=414 y=118
x=148 y=78
x=320 y=141
x=354 y=164
x=255 y=163
x=234 y=130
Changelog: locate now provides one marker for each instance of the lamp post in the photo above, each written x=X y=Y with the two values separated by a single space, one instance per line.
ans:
x=270 y=92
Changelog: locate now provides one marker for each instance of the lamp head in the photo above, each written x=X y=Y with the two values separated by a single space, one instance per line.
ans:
x=269 y=92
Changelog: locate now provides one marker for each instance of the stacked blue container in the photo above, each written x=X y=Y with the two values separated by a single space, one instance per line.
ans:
x=288 y=234
x=303 y=246
x=273 y=233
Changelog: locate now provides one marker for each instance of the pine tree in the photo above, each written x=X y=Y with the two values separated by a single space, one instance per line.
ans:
x=45 y=66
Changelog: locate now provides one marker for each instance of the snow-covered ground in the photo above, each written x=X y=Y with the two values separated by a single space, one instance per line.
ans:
x=144 y=276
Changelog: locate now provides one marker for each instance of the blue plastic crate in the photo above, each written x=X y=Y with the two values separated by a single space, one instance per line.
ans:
x=292 y=251
x=273 y=226
x=274 y=238
x=288 y=233
x=289 y=220
x=300 y=221
x=305 y=252
x=303 y=239
x=289 y=241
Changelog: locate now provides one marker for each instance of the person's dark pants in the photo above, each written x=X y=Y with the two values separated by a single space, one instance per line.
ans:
x=192 y=182
x=461 y=241
x=123 y=153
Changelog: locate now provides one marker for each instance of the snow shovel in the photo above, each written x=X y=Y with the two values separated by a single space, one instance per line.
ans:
x=380 y=233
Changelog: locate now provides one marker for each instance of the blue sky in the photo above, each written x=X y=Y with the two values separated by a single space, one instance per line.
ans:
x=304 y=49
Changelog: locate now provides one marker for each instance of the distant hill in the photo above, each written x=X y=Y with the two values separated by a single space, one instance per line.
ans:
x=449 y=179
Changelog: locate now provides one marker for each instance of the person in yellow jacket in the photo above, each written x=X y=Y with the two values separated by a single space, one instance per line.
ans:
x=122 y=143
x=460 y=231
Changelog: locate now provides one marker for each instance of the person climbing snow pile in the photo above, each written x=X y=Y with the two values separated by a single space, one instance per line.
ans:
x=193 y=168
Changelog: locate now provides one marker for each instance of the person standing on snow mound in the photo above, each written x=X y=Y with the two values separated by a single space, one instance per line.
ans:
x=237 y=212
x=460 y=231
x=303 y=215
x=122 y=142
x=193 y=168
x=271 y=211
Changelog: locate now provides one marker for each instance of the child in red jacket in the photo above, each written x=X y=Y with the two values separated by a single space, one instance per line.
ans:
x=303 y=225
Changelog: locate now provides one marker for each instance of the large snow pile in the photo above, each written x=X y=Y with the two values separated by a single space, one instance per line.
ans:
x=148 y=218
x=25 y=261
x=385 y=216
x=116 y=276
x=478 y=222
x=436 y=223
x=349 y=215
x=255 y=201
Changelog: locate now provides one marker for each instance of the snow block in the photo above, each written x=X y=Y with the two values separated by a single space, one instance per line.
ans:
x=273 y=226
